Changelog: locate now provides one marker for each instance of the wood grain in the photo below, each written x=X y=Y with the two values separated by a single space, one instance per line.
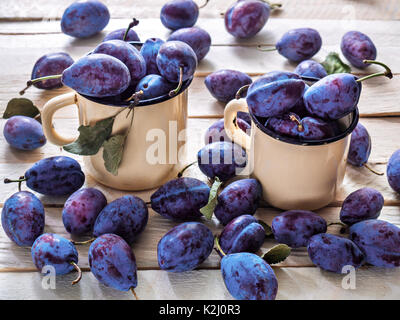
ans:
x=299 y=9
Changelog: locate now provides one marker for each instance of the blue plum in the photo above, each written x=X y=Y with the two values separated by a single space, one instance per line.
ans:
x=54 y=176
x=53 y=250
x=177 y=14
x=126 y=217
x=197 y=38
x=248 y=277
x=120 y=33
x=149 y=52
x=275 y=98
x=333 y=97
x=244 y=19
x=23 y=218
x=300 y=107
x=153 y=86
x=81 y=210
x=97 y=75
x=113 y=263
x=299 y=44
x=332 y=253
x=127 y=54
x=238 y=198
x=362 y=204
x=296 y=227
x=357 y=47
x=185 y=247
x=83 y=19
x=174 y=55
x=242 y=234
x=310 y=68
x=270 y=77
x=181 y=198
x=24 y=133
x=221 y=159
x=379 y=241
x=216 y=132
x=393 y=171
x=51 y=64
x=360 y=146
x=223 y=84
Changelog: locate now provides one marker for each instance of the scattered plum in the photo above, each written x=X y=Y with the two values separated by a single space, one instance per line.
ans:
x=113 y=263
x=223 y=84
x=177 y=14
x=363 y=204
x=238 y=198
x=357 y=47
x=149 y=52
x=198 y=39
x=81 y=210
x=126 y=217
x=248 y=277
x=379 y=241
x=332 y=253
x=393 y=171
x=24 y=133
x=181 y=198
x=221 y=159
x=185 y=247
x=242 y=234
x=296 y=227
x=83 y=19
x=299 y=44
x=23 y=218
x=120 y=33
x=360 y=146
x=311 y=68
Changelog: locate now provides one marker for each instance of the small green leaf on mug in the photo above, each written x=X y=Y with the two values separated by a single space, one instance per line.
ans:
x=90 y=138
x=112 y=153
x=277 y=254
x=20 y=107
x=333 y=64
x=267 y=228
x=208 y=210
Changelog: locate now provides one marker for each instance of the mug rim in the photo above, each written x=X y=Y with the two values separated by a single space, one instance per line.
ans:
x=294 y=141
x=142 y=103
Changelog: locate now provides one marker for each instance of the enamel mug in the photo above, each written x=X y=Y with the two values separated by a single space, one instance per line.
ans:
x=293 y=174
x=143 y=166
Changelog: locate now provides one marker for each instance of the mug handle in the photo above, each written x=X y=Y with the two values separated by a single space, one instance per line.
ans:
x=47 y=114
x=234 y=133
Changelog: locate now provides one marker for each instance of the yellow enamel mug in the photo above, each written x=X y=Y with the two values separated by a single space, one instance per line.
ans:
x=293 y=174
x=163 y=117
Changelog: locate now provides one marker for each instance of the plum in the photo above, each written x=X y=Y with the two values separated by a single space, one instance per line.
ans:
x=310 y=68
x=393 y=171
x=197 y=38
x=177 y=14
x=357 y=47
x=360 y=146
x=216 y=132
x=149 y=53
x=153 y=86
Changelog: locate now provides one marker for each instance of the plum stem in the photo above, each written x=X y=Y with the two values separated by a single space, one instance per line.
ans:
x=273 y=6
x=387 y=73
x=180 y=173
x=33 y=81
x=204 y=4
x=79 y=277
x=134 y=293
x=20 y=183
x=134 y=23
x=299 y=125
x=83 y=242
x=218 y=247
x=21 y=179
x=238 y=94
x=135 y=97
x=260 y=48
x=372 y=170
x=178 y=88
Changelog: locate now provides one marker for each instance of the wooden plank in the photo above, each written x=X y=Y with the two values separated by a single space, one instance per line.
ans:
x=299 y=9
x=145 y=248
x=293 y=283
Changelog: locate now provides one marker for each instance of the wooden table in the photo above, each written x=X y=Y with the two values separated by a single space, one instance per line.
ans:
x=29 y=29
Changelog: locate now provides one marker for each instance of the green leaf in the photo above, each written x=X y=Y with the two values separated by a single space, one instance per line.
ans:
x=112 y=153
x=277 y=254
x=267 y=228
x=333 y=64
x=91 y=138
x=20 y=107
x=208 y=209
